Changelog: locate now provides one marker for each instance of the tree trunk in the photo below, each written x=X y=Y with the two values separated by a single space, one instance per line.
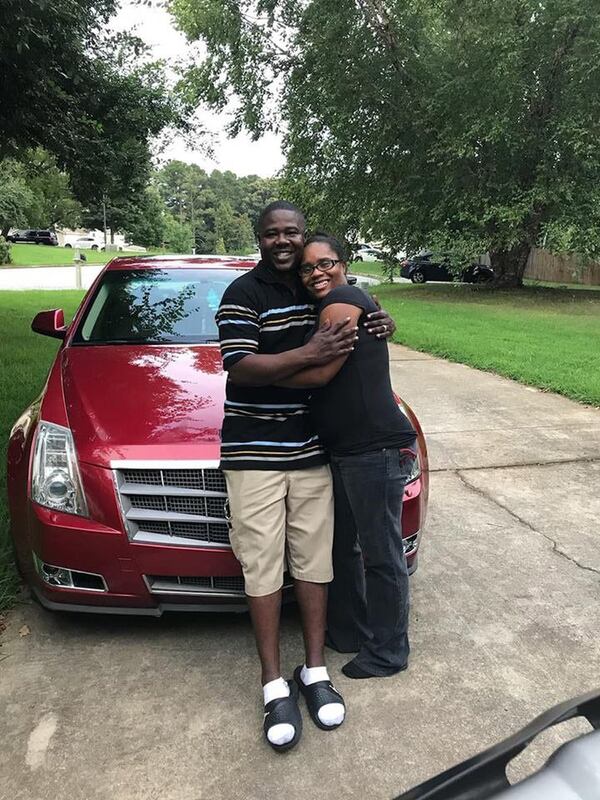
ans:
x=509 y=265
x=4 y=231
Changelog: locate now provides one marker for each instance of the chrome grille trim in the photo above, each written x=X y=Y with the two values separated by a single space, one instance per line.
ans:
x=195 y=586
x=173 y=516
x=146 y=537
x=180 y=503
x=174 y=491
x=201 y=586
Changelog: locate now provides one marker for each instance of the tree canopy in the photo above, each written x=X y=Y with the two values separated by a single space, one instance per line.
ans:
x=92 y=99
x=35 y=193
x=219 y=208
x=469 y=125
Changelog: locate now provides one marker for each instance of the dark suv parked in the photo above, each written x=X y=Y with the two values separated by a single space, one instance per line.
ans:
x=33 y=237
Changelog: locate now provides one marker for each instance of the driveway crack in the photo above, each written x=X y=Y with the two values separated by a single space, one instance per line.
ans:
x=555 y=546
x=517 y=464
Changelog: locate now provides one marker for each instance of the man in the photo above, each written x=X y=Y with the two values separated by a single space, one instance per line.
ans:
x=278 y=480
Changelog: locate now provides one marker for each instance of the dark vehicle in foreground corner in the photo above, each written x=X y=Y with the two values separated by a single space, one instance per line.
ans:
x=571 y=773
x=33 y=237
x=427 y=267
x=117 y=503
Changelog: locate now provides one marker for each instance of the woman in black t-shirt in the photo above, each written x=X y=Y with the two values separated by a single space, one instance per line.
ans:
x=372 y=449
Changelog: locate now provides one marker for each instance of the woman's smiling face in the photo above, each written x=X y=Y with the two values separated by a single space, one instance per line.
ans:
x=324 y=276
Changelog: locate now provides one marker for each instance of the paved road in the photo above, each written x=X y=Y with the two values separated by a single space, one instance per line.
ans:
x=505 y=621
x=49 y=277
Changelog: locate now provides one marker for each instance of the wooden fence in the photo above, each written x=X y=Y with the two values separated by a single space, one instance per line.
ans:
x=568 y=268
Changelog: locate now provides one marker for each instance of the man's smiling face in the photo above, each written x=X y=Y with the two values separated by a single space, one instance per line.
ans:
x=281 y=240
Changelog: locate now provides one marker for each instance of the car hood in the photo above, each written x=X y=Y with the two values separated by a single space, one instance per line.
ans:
x=133 y=402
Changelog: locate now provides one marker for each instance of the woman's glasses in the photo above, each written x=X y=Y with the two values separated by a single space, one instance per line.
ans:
x=324 y=265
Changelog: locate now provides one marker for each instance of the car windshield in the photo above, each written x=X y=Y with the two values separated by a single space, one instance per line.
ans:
x=155 y=306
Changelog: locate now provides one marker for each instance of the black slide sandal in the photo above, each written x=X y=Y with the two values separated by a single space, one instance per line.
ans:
x=284 y=710
x=318 y=695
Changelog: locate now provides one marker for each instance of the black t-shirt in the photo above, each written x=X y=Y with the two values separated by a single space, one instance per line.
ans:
x=356 y=411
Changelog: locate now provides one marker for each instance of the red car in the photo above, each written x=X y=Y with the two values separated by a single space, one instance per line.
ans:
x=117 y=503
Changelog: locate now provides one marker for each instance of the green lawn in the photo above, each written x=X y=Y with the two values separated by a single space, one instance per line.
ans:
x=371 y=268
x=549 y=338
x=24 y=361
x=32 y=255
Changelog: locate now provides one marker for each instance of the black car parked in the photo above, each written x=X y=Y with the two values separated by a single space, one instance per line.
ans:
x=33 y=237
x=427 y=267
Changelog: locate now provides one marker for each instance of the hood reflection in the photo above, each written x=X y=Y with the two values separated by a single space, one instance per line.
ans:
x=135 y=395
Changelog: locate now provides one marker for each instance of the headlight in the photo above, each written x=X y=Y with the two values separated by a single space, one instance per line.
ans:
x=55 y=480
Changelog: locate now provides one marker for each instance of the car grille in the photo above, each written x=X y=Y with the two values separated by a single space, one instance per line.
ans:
x=182 y=584
x=211 y=480
x=174 y=506
x=202 y=585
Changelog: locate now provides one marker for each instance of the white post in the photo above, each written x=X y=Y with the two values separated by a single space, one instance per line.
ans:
x=104 y=219
x=78 y=262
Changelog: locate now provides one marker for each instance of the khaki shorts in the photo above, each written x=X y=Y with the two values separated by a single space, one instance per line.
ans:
x=277 y=516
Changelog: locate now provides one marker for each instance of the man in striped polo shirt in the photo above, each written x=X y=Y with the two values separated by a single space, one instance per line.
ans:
x=278 y=480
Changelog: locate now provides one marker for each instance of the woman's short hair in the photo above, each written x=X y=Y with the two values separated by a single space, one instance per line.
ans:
x=321 y=237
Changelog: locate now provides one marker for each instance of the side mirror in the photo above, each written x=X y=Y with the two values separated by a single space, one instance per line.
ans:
x=50 y=323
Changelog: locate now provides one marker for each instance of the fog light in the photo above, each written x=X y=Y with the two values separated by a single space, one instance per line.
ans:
x=410 y=543
x=69 y=579
x=56 y=576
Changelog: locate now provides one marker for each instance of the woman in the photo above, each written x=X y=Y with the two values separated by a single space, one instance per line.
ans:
x=372 y=449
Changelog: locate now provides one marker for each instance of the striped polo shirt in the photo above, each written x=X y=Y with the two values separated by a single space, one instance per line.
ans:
x=265 y=427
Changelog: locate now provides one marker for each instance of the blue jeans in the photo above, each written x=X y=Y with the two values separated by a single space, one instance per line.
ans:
x=368 y=598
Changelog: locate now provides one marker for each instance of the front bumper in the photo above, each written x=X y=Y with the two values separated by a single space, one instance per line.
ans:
x=136 y=576
x=84 y=546
x=154 y=611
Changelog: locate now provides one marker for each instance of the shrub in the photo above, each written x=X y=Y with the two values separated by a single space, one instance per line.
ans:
x=5 y=256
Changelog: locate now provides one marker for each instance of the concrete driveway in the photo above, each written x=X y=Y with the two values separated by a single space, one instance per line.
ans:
x=505 y=622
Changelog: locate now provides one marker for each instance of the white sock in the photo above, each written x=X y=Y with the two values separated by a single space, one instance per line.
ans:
x=331 y=713
x=283 y=733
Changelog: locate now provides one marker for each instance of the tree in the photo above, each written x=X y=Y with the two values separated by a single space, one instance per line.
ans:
x=147 y=223
x=15 y=195
x=5 y=256
x=35 y=193
x=240 y=235
x=47 y=53
x=183 y=188
x=53 y=203
x=178 y=236
x=219 y=207
x=468 y=125
x=91 y=99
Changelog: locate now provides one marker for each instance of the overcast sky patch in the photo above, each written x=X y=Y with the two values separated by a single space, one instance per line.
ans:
x=240 y=155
